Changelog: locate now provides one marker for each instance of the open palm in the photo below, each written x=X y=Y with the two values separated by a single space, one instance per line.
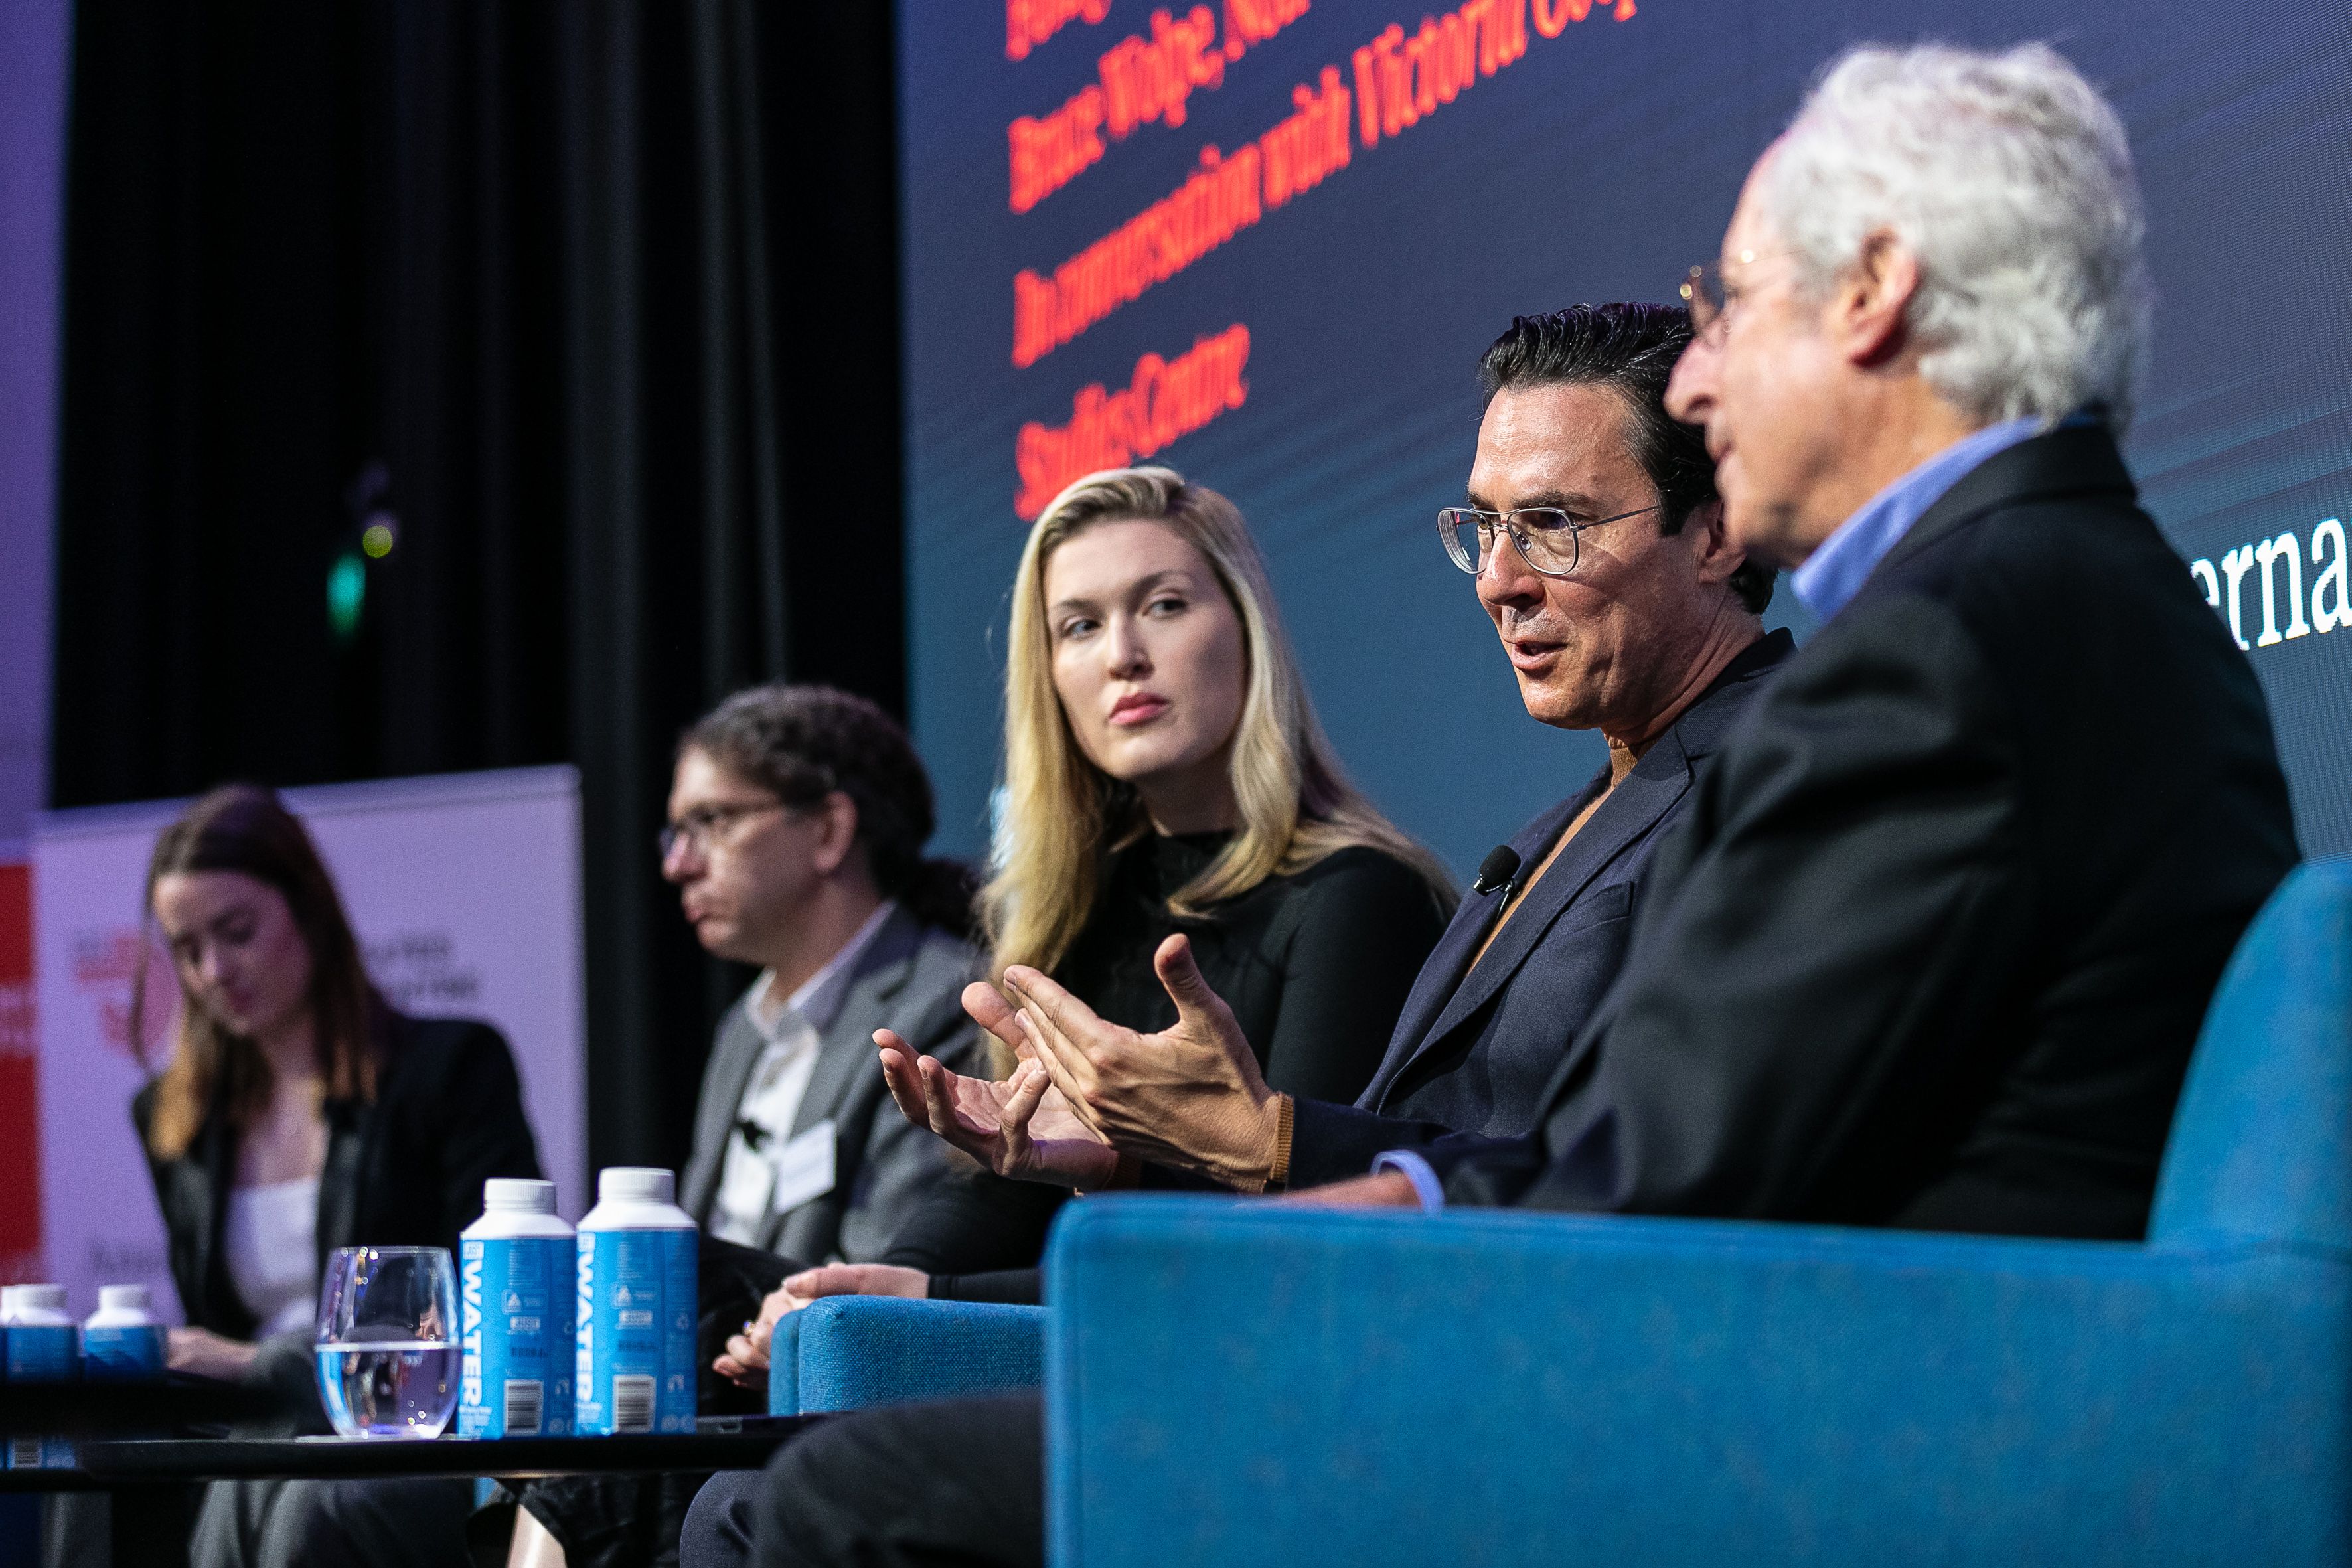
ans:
x=1019 y=1126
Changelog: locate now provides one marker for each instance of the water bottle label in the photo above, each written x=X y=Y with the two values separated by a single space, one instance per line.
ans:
x=38 y=1454
x=124 y=1355
x=636 y=1357
x=38 y=1353
x=516 y=1377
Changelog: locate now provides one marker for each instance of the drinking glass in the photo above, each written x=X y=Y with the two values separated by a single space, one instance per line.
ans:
x=387 y=1343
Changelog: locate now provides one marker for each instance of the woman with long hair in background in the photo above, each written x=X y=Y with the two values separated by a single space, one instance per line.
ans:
x=300 y=1111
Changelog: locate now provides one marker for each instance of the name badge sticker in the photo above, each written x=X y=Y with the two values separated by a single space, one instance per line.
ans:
x=804 y=1168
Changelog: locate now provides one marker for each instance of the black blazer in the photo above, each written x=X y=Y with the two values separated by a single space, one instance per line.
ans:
x=404 y=1170
x=1934 y=943
x=1477 y=1056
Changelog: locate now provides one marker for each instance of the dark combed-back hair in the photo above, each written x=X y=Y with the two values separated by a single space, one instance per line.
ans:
x=1631 y=348
x=246 y=828
x=806 y=742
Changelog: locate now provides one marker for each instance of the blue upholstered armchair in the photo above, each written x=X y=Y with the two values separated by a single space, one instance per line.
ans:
x=1244 y=1382
x=847 y=1351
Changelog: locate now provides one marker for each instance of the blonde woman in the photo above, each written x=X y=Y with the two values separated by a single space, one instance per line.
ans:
x=1164 y=773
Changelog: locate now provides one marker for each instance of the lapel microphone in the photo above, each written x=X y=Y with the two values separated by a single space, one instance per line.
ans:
x=1497 y=871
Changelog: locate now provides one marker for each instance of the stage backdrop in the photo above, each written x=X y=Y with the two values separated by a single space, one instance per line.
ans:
x=465 y=891
x=1266 y=240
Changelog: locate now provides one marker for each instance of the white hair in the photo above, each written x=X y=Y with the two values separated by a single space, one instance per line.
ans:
x=2008 y=177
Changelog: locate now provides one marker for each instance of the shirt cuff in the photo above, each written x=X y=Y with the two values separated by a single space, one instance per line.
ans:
x=1418 y=1171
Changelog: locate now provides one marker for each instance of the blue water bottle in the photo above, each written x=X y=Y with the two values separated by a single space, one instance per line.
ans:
x=121 y=1342
x=635 y=1363
x=514 y=1293
x=44 y=1345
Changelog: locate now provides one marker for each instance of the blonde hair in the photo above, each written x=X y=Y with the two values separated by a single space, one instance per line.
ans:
x=1061 y=812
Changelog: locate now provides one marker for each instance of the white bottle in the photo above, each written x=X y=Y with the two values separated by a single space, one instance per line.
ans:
x=121 y=1342
x=635 y=1366
x=518 y=1322
x=44 y=1346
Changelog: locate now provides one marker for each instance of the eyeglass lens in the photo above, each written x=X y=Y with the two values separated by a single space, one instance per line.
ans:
x=1546 y=539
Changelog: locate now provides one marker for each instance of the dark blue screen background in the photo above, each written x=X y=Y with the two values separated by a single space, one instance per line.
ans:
x=1597 y=167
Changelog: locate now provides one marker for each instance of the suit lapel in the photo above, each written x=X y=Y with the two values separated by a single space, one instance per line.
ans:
x=1630 y=810
x=1649 y=792
x=207 y=1197
x=1472 y=919
x=2073 y=459
x=844 y=1052
x=339 y=1181
x=731 y=1068
x=847 y=1045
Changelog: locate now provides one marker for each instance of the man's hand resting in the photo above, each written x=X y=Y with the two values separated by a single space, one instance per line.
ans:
x=1190 y=1096
x=1021 y=1128
x=745 y=1360
x=1382 y=1190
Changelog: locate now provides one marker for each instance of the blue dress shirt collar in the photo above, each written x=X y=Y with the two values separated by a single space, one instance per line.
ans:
x=1833 y=573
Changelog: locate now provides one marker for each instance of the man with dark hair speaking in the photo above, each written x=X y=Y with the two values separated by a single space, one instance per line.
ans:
x=1595 y=538
x=1594 y=533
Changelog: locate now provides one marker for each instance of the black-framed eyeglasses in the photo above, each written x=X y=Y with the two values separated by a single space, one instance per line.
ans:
x=1547 y=536
x=708 y=824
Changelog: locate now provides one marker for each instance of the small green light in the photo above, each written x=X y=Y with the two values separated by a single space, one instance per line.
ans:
x=377 y=542
x=346 y=595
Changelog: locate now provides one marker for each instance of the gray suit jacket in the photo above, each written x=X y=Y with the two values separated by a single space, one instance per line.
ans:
x=910 y=980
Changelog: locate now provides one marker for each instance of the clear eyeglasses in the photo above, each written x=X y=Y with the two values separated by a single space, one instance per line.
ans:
x=707 y=825
x=1547 y=536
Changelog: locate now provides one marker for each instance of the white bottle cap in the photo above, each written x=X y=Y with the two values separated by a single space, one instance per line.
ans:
x=635 y=1184
x=124 y=1297
x=41 y=1297
x=516 y=1192
x=7 y=1302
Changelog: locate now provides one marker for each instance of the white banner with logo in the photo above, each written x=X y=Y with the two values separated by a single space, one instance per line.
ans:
x=465 y=891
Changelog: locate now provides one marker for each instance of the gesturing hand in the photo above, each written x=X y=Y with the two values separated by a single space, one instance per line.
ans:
x=1021 y=1127
x=1190 y=1096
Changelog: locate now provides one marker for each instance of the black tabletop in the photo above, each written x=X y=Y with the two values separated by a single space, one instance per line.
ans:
x=124 y=1409
x=723 y=1444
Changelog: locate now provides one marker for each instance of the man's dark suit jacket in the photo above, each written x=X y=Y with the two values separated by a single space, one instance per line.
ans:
x=1934 y=941
x=1475 y=1054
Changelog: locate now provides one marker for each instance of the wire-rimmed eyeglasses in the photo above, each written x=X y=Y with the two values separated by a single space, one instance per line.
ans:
x=1547 y=536
x=1710 y=299
x=707 y=825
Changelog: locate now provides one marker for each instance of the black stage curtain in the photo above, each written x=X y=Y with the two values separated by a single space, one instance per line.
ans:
x=596 y=300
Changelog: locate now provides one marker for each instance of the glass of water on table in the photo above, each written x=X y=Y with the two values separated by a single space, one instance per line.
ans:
x=388 y=1346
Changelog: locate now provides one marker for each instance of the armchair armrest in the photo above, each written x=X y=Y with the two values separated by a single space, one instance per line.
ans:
x=1251 y=1383
x=847 y=1351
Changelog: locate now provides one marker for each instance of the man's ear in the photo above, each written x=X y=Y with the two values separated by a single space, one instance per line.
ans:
x=1717 y=557
x=1867 y=308
x=838 y=835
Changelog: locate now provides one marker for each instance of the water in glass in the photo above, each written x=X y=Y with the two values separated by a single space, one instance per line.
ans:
x=395 y=1388
x=387 y=1347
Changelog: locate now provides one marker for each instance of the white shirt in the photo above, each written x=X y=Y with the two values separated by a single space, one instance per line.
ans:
x=273 y=1253
x=780 y=1079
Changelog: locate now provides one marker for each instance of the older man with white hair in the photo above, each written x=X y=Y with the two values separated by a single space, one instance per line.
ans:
x=1933 y=944
x=1932 y=947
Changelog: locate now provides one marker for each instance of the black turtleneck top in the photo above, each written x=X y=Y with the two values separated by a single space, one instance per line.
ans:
x=1315 y=967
